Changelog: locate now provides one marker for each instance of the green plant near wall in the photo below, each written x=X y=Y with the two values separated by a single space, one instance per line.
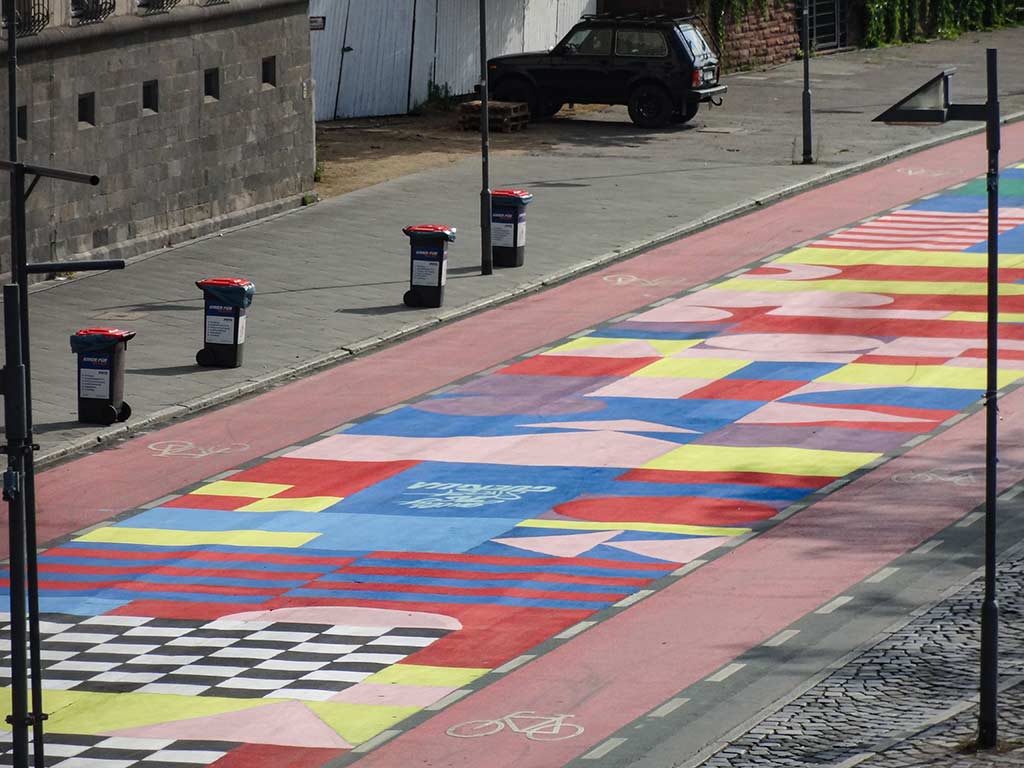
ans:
x=900 y=21
x=717 y=12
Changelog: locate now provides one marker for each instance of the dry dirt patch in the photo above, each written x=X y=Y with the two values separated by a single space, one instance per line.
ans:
x=353 y=154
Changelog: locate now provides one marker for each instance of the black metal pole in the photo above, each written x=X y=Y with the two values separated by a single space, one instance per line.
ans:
x=19 y=271
x=486 y=254
x=987 y=716
x=14 y=478
x=808 y=153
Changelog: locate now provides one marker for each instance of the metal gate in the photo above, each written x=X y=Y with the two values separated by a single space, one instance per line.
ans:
x=828 y=23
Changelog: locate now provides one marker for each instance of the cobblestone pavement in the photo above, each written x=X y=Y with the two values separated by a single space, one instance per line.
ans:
x=908 y=701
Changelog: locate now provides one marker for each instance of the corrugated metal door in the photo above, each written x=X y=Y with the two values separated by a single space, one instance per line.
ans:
x=376 y=66
x=326 y=47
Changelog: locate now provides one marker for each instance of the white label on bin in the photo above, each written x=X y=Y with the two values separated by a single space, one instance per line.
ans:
x=220 y=329
x=241 y=328
x=94 y=383
x=426 y=272
x=503 y=234
x=444 y=271
x=521 y=239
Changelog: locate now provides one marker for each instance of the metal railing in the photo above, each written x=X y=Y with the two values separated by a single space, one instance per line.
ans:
x=155 y=6
x=88 y=11
x=30 y=17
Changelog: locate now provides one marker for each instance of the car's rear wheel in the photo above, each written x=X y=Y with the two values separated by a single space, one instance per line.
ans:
x=518 y=90
x=650 y=106
x=687 y=113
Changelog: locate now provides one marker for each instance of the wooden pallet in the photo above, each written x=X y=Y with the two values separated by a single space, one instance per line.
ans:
x=504 y=116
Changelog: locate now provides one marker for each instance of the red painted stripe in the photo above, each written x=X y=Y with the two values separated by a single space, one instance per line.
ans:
x=901 y=360
x=566 y=365
x=930 y=329
x=1004 y=354
x=143 y=586
x=441 y=591
x=924 y=274
x=553 y=577
x=894 y=410
x=744 y=389
x=250 y=755
x=538 y=562
x=725 y=478
x=173 y=609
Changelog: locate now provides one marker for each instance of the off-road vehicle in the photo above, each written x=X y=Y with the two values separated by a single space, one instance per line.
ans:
x=661 y=67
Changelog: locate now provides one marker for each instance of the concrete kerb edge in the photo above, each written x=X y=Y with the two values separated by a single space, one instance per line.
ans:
x=363 y=347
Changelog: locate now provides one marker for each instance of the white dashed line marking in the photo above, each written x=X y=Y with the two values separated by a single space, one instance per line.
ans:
x=450 y=699
x=693 y=565
x=970 y=519
x=598 y=752
x=635 y=598
x=516 y=662
x=376 y=741
x=161 y=501
x=725 y=672
x=782 y=637
x=882 y=575
x=832 y=605
x=927 y=547
x=668 y=707
x=575 y=630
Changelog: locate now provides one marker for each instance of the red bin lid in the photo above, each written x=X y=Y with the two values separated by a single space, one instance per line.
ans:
x=430 y=229
x=521 y=194
x=239 y=282
x=113 y=333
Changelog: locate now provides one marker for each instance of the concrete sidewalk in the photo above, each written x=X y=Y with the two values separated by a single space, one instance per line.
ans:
x=330 y=278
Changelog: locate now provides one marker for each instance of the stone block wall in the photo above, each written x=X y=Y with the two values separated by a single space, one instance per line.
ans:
x=193 y=164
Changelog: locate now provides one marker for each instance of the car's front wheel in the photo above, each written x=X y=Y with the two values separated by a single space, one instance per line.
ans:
x=518 y=90
x=650 y=106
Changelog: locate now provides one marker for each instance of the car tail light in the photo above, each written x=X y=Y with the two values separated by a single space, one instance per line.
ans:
x=696 y=78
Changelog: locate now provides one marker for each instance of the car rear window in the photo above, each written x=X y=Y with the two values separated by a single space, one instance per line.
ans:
x=695 y=41
x=640 y=42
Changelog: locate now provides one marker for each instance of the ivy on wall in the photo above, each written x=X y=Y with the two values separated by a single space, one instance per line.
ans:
x=896 y=21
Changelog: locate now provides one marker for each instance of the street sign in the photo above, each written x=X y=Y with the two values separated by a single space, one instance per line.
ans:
x=317 y=23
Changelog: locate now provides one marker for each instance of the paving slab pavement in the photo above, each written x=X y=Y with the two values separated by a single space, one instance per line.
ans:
x=330 y=277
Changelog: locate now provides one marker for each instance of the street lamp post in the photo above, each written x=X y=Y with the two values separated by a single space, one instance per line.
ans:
x=806 y=106
x=929 y=105
x=486 y=254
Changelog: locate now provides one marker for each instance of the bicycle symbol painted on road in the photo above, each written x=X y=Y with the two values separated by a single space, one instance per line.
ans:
x=188 y=450
x=530 y=724
x=632 y=279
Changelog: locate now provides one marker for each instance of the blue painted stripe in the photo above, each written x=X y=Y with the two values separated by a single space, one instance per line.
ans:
x=425 y=597
x=541 y=586
x=154 y=578
x=542 y=567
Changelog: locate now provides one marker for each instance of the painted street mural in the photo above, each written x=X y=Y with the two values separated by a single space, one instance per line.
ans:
x=296 y=609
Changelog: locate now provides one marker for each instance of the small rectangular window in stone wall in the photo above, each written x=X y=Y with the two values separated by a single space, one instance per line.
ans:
x=155 y=6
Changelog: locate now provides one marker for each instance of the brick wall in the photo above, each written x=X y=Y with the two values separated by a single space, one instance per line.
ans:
x=761 y=38
x=192 y=166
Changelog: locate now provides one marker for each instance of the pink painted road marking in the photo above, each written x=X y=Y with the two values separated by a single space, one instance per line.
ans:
x=133 y=474
x=742 y=599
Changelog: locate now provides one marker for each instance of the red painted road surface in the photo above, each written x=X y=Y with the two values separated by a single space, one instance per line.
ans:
x=134 y=474
x=742 y=598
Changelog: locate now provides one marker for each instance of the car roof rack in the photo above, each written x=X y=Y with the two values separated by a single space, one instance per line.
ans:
x=662 y=17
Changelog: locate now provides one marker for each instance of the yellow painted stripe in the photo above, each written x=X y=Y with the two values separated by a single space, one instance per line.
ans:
x=583 y=525
x=308 y=504
x=171 y=538
x=947 y=376
x=356 y=723
x=691 y=368
x=903 y=287
x=92 y=713
x=777 y=460
x=421 y=675
x=840 y=257
x=251 y=490
x=981 y=317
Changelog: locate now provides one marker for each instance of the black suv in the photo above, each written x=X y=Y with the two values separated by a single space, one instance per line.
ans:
x=662 y=68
